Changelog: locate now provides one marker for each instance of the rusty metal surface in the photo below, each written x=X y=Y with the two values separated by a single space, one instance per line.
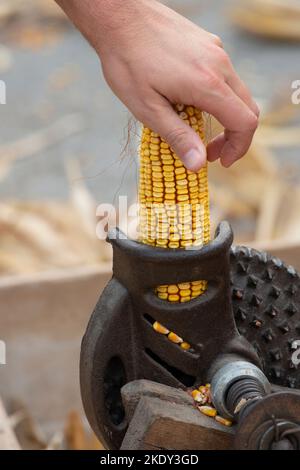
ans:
x=266 y=305
x=272 y=423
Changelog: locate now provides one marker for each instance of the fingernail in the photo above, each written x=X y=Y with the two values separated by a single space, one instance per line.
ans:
x=256 y=108
x=194 y=159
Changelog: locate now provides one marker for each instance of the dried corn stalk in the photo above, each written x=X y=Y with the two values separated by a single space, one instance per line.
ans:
x=277 y=19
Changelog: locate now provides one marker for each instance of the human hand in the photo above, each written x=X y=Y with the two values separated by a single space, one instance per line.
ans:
x=153 y=58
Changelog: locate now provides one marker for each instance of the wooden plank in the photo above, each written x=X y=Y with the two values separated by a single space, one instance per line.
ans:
x=8 y=440
x=163 y=417
x=157 y=425
x=135 y=390
x=43 y=318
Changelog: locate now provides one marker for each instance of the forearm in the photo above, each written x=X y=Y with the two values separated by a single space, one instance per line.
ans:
x=105 y=22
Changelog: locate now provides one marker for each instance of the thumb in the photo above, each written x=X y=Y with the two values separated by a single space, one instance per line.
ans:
x=185 y=142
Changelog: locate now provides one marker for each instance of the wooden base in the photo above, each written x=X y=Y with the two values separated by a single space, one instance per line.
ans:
x=165 y=418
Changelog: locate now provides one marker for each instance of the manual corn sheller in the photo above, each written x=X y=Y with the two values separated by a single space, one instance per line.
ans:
x=181 y=311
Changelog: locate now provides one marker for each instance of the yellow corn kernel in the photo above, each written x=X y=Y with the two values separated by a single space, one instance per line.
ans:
x=184 y=285
x=186 y=346
x=185 y=292
x=173 y=298
x=224 y=421
x=173 y=289
x=160 y=328
x=180 y=177
x=198 y=396
x=208 y=410
x=173 y=245
x=175 y=338
x=162 y=296
x=164 y=145
x=182 y=183
x=196 y=283
x=180 y=171
x=180 y=107
x=162 y=289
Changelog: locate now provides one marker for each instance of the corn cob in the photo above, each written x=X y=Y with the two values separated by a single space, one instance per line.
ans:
x=174 y=206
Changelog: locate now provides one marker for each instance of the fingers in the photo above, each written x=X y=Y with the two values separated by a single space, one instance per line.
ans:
x=237 y=118
x=185 y=142
x=230 y=101
x=215 y=147
x=234 y=147
x=218 y=99
x=216 y=40
x=240 y=89
x=228 y=147
x=234 y=81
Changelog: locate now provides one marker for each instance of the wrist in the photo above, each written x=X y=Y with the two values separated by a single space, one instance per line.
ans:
x=114 y=21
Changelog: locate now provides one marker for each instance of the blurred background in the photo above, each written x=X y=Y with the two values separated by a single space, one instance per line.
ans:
x=63 y=151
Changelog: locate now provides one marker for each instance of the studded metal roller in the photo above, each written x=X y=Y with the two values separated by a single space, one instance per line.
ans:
x=266 y=306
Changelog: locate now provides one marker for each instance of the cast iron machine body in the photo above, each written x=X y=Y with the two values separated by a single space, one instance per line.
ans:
x=249 y=315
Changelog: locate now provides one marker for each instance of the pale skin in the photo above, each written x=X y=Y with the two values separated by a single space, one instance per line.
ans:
x=153 y=58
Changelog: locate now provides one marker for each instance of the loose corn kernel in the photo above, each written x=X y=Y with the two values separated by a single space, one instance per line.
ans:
x=175 y=338
x=224 y=421
x=186 y=346
x=208 y=411
x=198 y=397
x=160 y=328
